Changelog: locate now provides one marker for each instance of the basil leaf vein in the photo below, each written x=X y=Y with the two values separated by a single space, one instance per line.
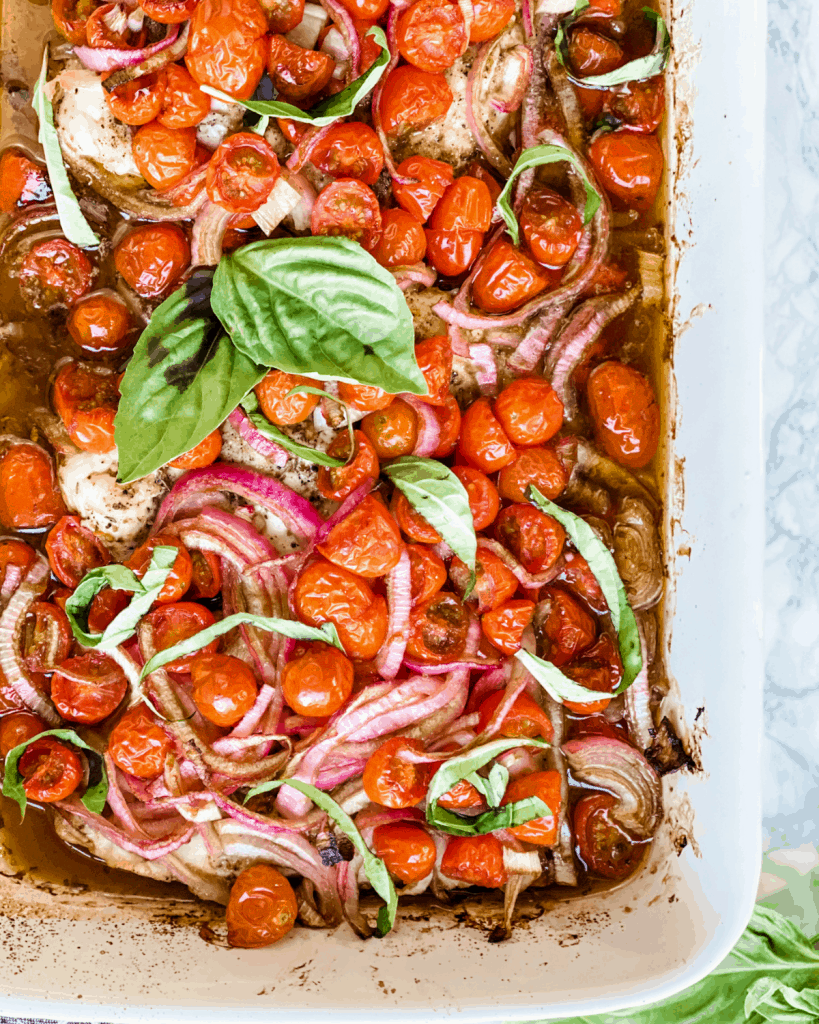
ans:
x=95 y=792
x=260 y=422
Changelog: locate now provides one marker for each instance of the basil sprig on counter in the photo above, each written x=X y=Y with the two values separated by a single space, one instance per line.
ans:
x=374 y=867
x=329 y=110
x=250 y=404
x=96 y=790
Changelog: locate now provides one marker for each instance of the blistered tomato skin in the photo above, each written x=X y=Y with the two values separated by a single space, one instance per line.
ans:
x=546 y=786
x=179 y=578
x=391 y=780
x=506 y=279
x=152 y=258
x=483 y=442
x=163 y=155
x=392 y=431
x=431 y=179
x=367 y=542
x=318 y=680
x=86 y=400
x=625 y=413
x=55 y=273
x=73 y=550
x=329 y=593
x=17 y=727
x=534 y=538
x=226 y=48
x=262 y=908
x=484 y=500
x=432 y=34
x=537 y=467
x=551 y=226
x=427 y=572
x=412 y=523
x=402 y=240
x=593 y=54
x=177 y=621
x=22 y=181
x=412 y=99
x=629 y=166
x=338 y=482
x=276 y=402
x=524 y=718
x=529 y=410
x=242 y=173
x=348 y=208
x=477 y=860
x=138 y=744
x=503 y=626
x=29 y=495
x=438 y=629
x=100 y=324
x=88 y=688
x=349 y=150
x=51 y=770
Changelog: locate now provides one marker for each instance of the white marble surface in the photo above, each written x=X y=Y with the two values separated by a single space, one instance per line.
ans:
x=791 y=396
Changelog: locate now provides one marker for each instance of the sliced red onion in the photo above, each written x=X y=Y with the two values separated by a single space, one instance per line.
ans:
x=518 y=678
x=522 y=71
x=567 y=99
x=104 y=61
x=637 y=699
x=334 y=773
x=373 y=817
x=343 y=19
x=537 y=339
x=418 y=273
x=208 y=233
x=474 y=109
x=257 y=441
x=347 y=884
x=486 y=374
x=399 y=601
x=301 y=154
x=11 y=581
x=301 y=212
x=148 y=849
x=429 y=427
x=528 y=580
x=487 y=684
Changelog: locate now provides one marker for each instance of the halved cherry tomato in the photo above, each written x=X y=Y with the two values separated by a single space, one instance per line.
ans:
x=71 y=17
x=529 y=410
x=152 y=258
x=630 y=166
x=506 y=279
x=349 y=208
x=370 y=49
x=369 y=9
x=227 y=45
x=477 y=860
x=453 y=252
x=438 y=628
x=349 y=150
x=15 y=559
x=592 y=53
x=391 y=780
x=73 y=550
x=407 y=850
x=163 y=155
x=483 y=441
x=432 y=34
x=427 y=572
x=224 y=688
x=484 y=500
x=367 y=541
x=138 y=744
x=107 y=29
x=297 y=73
x=567 y=629
x=169 y=12
x=599 y=668
x=51 y=771
x=540 y=467
x=105 y=607
x=262 y=908
x=504 y=625
x=639 y=106
x=524 y=718
x=55 y=273
x=363 y=397
x=21 y=181
x=317 y=680
x=46 y=637
x=283 y=15
x=489 y=17
x=579 y=578
x=179 y=578
x=206 y=575
x=99 y=324
x=605 y=846
x=17 y=727
x=534 y=538
x=625 y=413
x=138 y=101
x=402 y=240
x=242 y=172
x=338 y=482
x=184 y=104
x=329 y=593
x=434 y=359
x=465 y=206
x=546 y=785
x=273 y=393
x=172 y=623
x=433 y=178
x=449 y=420
x=412 y=523
x=412 y=99
x=29 y=495
x=88 y=688
x=86 y=400
x=551 y=226
x=203 y=454
x=392 y=431
x=494 y=581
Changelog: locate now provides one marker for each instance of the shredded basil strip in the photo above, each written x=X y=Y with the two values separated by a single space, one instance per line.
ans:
x=306 y=389
x=118 y=577
x=250 y=404
x=375 y=868
x=75 y=227
x=95 y=792
x=292 y=628
x=493 y=786
x=537 y=156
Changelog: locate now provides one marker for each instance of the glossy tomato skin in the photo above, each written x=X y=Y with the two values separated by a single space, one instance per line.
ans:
x=567 y=628
x=366 y=9
x=29 y=495
x=407 y=850
x=598 y=668
x=86 y=400
x=506 y=279
x=593 y=54
x=163 y=155
x=391 y=780
x=71 y=17
x=100 y=324
x=55 y=273
x=22 y=181
x=169 y=12
x=605 y=847
x=462 y=796
x=317 y=680
x=349 y=208
x=262 y=908
x=434 y=359
x=178 y=621
x=184 y=105
x=283 y=15
x=412 y=99
x=539 y=467
x=203 y=454
x=494 y=582
x=139 y=101
x=625 y=413
x=46 y=639
x=280 y=409
x=449 y=420
x=529 y=410
x=433 y=178
x=138 y=744
x=17 y=727
x=338 y=482
x=477 y=860
x=105 y=607
x=438 y=628
x=484 y=500
x=349 y=150
x=483 y=441
x=298 y=74
x=363 y=397
x=367 y=541
x=427 y=572
x=526 y=718
x=412 y=523
x=402 y=241
x=16 y=557
x=242 y=172
x=392 y=431
x=226 y=47
x=639 y=106
x=465 y=206
x=88 y=688
x=50 y=769
x=503 y=626
x=581 y=581
x=453 y=252
x=551 y=226
x=179 y=578
x=546 y=785
x=152 y=258
x=73 y=550
x=534 y=538
x=224 y=688
x=629 y=167
x=431 y=34
x=329 y=593
x=206 y=575
x=489 y=17
x=101 y=35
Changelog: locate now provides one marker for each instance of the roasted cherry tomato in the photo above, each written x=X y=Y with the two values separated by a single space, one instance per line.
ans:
x=71 y=18
x=529 y=410
x=21 y=181
x=393 y=781
x=367 y=541
x=427 y=572
x=465 y=206
x=73 y=550
x=138 y=101
x=566 y=628
x=107 y=28
x=591 y=102
x=55 y=273
x=206 y=575
x=17 y=727
x=639 y=106
x=489 y=17
x=462 y=796
x=534 y=538
x=546 y=785
x=369 y=9
x=46 y=637
x=105 y=607
x=524 y=718
x=88 y=688
x=449 y=420
x=179 y=578
x=370 y=49
x=598 y=668
x=169 y=12
x=540 y=467
x=609 y=8
x=432 y=179
x=392 y=431
x=138 y=744
x=226 y=47
x=99 y=324
x=477 y=170
x=438 y=628
x=504 y=625
x=317 y=680
x=184 y=105
x=277 y=406
x=483 y=441
x=16 y=557
x=173 y=623
x=51 y=771
x=262 y=908
x=434 y=359
x=224 y=688
x=203 y=454
x=349 y=150
x=242 y=172
x=477 y=860
x=407 y=850
x=86 y=400
x=506 y=279
x=630 y=167
x=363 y=397
x=163 y=155
x=579 y=578
x=432 y=34
x=412 y=99
x=283 y=15
x=29 y=495
x=484 y=500
x=402 y=240
x=551 y=226
x=152 y=258
x=338 y=482
x=494 y=582
x=625 y=413
x=453 y=252
x=328 y=593
x=412 y=523
x=298 y=74
x=593 y=54
x=349 y=208
x=605 y=846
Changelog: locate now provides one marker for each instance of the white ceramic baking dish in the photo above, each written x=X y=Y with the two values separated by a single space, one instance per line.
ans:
x=85 y=956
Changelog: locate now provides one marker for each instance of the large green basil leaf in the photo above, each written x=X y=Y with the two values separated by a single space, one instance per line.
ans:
x=183 y=380
x=95 y=792
x=276 y=434
x=320 y=307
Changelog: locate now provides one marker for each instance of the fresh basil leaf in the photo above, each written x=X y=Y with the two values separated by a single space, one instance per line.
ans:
x=537 y=156
x=374 y=867
x=518 y=813
x=183 y=380
x=321 y=307
x=292 y=628
x=327 y=111
x=604 y=569
x=438 y=495
x=772 y=1000
x=74 y=225
x=493 y=786
x=556 y=683
x=274 y=433
x=95 y=792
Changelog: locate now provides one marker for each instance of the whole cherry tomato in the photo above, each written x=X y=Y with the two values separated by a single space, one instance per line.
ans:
x=432 y=34
x=402 y=240
x=21 y=181
x=567 y=628
x=551 y=226
x=477 y=860
x=506 y=279
x=489 y=17
x=283 y=15
x=392 y=431
x=484 y=500
x=625 y=413
x=412 y=523
x=593 y=54
x=203 y=454
x=88 y=688
x=539 y=467
x=449 y=420
x=483 y=441
x=529 y=410
x=546 y=785
x=453 y=252
x=407 y=850
x=99 y=324
x=391 y=780
x=73 y=550
x=363 y=397
x=262 y=908
x=598 y=668
x=17 y=727
x=138 y=101
x=369 y=9
x=226 y=47
x=224 y=688
x=503 y=626
x=184 y=105
x=367 y=541
x=71 y=18
x=138 y=744
x=338 y=482
x=273 y=393
x=163 y=155
x=46 y=637
x=639 y=106
x=433 y=178
x=29 y=495
x=169 y=12
x=178 y=621
x=55 y=273
x=206 y=575
x=412 y=99
x=328 y=593
x=494 y=582
x=427 y=572
x=605 y=846
x=349 y=208
x=152 y=258
x=242 y=172
x=297 y=73
x=534 y=538
x=179 y=578
x=434 y=359
x=629 y=166
x=438 y=628
x=107 y=28
x=105 y=607
x=525 y=717
x=16 y=557
x=51 y=771
x=465 y=206
x=86 y=400
x=317 y=680
x=350 y=149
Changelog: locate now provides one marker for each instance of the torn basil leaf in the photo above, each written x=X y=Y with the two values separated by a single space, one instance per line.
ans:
x=95 y=792
x=260 y=422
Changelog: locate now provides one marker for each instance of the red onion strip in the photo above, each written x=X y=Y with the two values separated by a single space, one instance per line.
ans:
x=417 y=273
x=399 y=600
x=523 y=56
x=343 y=19
x=474 y=109
x=257 y=441
x=538 y=337
x=429 y=427
x=102 y=60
